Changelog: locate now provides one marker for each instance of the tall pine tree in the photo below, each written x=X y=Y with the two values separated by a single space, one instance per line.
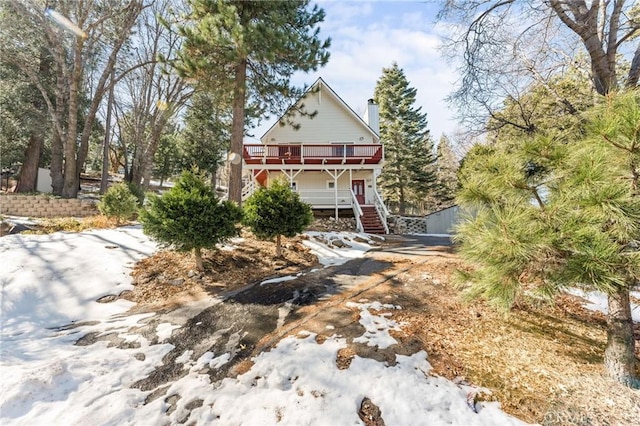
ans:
x=205 y=138
x=408 y=175
x=446 y=172
x=250 y=50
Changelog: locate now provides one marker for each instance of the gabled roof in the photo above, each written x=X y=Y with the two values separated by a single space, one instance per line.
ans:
x=321 y=84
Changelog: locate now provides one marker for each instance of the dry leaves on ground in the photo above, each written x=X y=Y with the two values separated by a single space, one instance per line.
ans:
x=168 y=278
x=543 y=363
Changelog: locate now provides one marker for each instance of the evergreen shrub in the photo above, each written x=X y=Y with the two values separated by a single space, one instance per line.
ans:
x=190 y=217
x=119 y=203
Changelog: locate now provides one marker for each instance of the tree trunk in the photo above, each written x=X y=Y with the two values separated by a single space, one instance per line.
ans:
x=197 y=252
x=586 y=27
x=146 y=179
x=104 y=181
x=278 y=245
x=237 y=131
x=29 y=170
x=70 y=188
x=28 y=179
x=156 y=134
x=619 y=358
x=57 y=177
x=634 y=71
x=58 y=137
x=136 y=163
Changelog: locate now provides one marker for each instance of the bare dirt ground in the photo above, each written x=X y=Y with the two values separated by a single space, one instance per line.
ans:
x=543 y=363
x=168 y=278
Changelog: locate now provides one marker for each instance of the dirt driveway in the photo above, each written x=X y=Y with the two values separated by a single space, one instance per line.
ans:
x=542 y=363
x=248 y=320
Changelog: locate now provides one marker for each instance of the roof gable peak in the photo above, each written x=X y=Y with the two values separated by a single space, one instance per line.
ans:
x=319 y=84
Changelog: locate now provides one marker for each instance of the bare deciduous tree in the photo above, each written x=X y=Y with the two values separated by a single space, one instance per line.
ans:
x=507 y=45
x=85 y=48
x=152 y=93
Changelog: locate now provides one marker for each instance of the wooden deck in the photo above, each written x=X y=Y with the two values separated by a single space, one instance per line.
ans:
x=313 y=154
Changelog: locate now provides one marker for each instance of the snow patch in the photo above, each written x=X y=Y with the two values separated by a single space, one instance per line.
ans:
x=48 y=292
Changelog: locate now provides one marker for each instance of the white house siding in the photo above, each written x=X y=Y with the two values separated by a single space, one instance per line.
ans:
x=316 y=181
x=332 y=123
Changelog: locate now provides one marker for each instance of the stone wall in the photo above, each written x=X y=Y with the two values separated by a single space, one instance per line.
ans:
x=407 y=225
x=327 y=224
x=45 y=206
x=442 y=222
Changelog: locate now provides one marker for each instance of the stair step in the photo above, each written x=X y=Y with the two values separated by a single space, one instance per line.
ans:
x=371 y=221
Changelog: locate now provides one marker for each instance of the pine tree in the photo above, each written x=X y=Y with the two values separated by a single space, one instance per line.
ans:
x=552 y=215
x=247 y=51
x=190 y=217
x=276 y=211
x=205 y=138
x=447 y=174
x=408 y=173
x=166 y=160
x=119 y=203
x=24 y=120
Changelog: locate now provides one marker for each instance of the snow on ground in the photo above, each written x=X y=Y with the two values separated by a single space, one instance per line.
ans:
x=336 y=248
x=50 y=284
x=597 y=301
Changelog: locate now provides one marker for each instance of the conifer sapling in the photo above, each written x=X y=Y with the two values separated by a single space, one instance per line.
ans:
x=190 y=217
x=276 y=211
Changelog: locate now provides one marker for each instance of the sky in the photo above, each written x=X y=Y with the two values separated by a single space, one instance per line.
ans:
x=367 y=36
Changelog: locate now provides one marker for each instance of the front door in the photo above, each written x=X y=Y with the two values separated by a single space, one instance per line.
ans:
x=358 y=189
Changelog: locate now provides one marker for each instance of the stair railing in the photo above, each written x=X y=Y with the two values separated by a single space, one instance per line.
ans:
x=382 y=210
x=357 y=211
x=248 y=189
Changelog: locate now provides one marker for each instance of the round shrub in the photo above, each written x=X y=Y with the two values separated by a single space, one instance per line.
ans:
x=118 y=202
x=276 y=211
x=190 y=217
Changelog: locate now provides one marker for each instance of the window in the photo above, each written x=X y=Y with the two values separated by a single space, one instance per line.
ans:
x=331 y=184
x=294 y=186
x=339 y=151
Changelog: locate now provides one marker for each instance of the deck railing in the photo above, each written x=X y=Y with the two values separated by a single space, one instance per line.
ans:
x=313 y=154
x=326 y=197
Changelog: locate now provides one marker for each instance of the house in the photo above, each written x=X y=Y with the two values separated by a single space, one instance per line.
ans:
x=331 y=159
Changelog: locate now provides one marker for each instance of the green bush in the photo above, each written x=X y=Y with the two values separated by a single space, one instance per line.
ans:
x=276 y=211
x=190 y=217
x=118 y=202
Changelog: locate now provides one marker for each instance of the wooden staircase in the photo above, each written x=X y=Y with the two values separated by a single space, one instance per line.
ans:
x=371 y=221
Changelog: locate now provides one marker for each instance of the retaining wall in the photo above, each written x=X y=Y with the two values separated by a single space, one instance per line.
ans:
x=45 y=206
x=408 y=225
